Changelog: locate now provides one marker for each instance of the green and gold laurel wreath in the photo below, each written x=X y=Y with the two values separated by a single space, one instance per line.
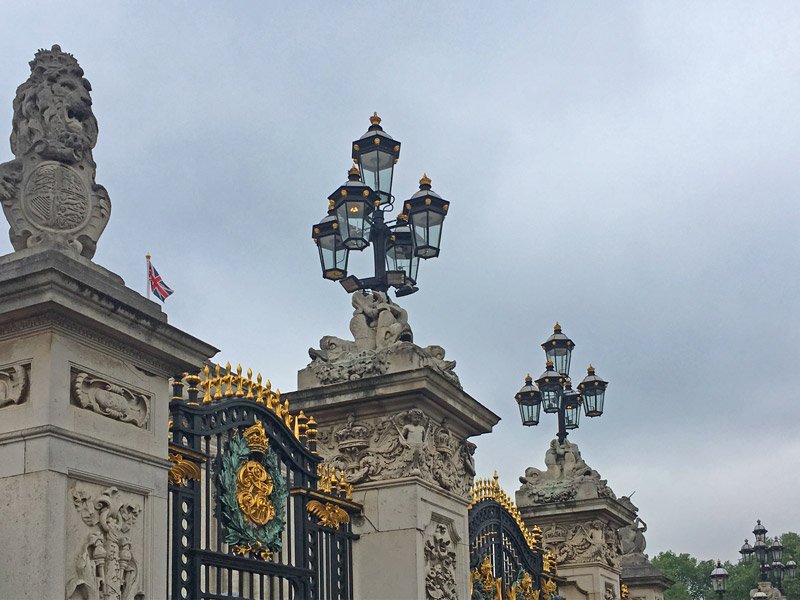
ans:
x=244 y=536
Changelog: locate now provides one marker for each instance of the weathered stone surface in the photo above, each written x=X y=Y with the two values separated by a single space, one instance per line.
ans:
x=402 y=438
x=91 y=418
x=580 y=517
x=382 y=343
x=48 y=191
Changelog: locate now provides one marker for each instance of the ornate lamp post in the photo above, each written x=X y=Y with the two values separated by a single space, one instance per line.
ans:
x=719 y=580
x=357 y=218
x=553 y=392
x=769 y=554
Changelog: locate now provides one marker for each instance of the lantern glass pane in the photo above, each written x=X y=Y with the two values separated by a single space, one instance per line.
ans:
x=353 y=224
x=427 y=228
x=550 y=401
x=377 y=168
x=332 y=256
x=593 y=402
x=561 y=358
x=529 y=414
x=572 y=416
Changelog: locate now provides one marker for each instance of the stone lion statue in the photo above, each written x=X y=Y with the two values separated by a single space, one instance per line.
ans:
x=48 y=191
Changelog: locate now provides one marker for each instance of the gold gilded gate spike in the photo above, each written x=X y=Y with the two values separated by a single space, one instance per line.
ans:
x=239 y=390
x=489 y=489
x=217 y=378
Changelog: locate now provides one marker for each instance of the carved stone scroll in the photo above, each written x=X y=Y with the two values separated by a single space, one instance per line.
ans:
x=106 y=568
x=110 y=399
x=14 y=384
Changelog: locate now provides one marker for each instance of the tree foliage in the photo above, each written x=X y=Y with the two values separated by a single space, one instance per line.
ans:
x=692 y=580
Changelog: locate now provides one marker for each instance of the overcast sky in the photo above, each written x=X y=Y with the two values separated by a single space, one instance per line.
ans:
x=629 y=169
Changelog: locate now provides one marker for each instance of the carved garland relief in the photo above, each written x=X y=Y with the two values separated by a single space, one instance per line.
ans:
x=440 y=565
x=409 y=443
x=110 y=399
x=14 y=384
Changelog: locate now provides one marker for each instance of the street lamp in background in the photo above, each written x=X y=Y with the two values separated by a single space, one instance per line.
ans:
x=553 y=392
x=356 y=219
x=719 y=580
x=769 y=555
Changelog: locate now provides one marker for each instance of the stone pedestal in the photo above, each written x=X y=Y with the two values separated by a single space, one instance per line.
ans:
x=644 y=581
x=401 y=438
x=580 y=517
x=84 y=369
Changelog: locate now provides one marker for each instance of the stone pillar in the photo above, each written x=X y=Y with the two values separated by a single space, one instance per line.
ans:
x=401 y=438
x=579 y=516
x=393 y=417
x=84 y=369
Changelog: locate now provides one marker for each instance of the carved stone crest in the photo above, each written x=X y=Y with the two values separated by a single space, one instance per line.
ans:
x=382 y=343
x=111 y=400
x=48 y=191
x=107 y=568
x=405 y=444
x=13 y=385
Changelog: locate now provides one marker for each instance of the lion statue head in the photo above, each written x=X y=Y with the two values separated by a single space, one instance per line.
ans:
x=53 y=110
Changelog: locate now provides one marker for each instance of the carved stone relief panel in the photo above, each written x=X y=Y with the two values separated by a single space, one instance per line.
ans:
x=586 y=542
x=408 y=443
x=440 y=560
x=106 y=544
x=110 y=399
x=14 y=384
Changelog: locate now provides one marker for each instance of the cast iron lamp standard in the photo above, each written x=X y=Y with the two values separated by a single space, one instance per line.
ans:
x=553 y=390
x=357 y=218
x=769 y=554
x=719 y=580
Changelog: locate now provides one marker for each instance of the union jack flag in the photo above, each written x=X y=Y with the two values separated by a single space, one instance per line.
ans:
x=160 y=289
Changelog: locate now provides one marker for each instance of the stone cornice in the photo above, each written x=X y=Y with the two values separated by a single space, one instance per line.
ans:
x=385 y=394
x=47 y=287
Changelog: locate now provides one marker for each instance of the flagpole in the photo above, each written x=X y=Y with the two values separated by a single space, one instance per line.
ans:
x=147 y=256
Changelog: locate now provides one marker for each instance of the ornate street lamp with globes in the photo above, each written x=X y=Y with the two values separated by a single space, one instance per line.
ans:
x=552 y=392
x=769 y=556
x=356 y=219
x=719 y=580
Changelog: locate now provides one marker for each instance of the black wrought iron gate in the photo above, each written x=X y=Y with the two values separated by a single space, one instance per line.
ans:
x=253 y=512
x=506 y=558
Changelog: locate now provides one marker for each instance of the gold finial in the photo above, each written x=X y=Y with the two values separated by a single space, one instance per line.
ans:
x=549 y=363
x=557 y=328
x=228 y=380
x=528 y=379
x=354 y=171
x=425 y=179
x=375 y=119
x=239 y=390
x=590 y=370
x=217 y=382
x=147 y=256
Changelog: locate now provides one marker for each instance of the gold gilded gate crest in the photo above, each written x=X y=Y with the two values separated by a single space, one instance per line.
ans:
x=254 y=485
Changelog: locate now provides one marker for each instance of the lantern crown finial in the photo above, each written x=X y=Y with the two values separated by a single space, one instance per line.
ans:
x=354 y=174
x=590 y=370
x=557 y=327
x=375 y=119
x=549 y=364
x=528 y=379
x=425 y=181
